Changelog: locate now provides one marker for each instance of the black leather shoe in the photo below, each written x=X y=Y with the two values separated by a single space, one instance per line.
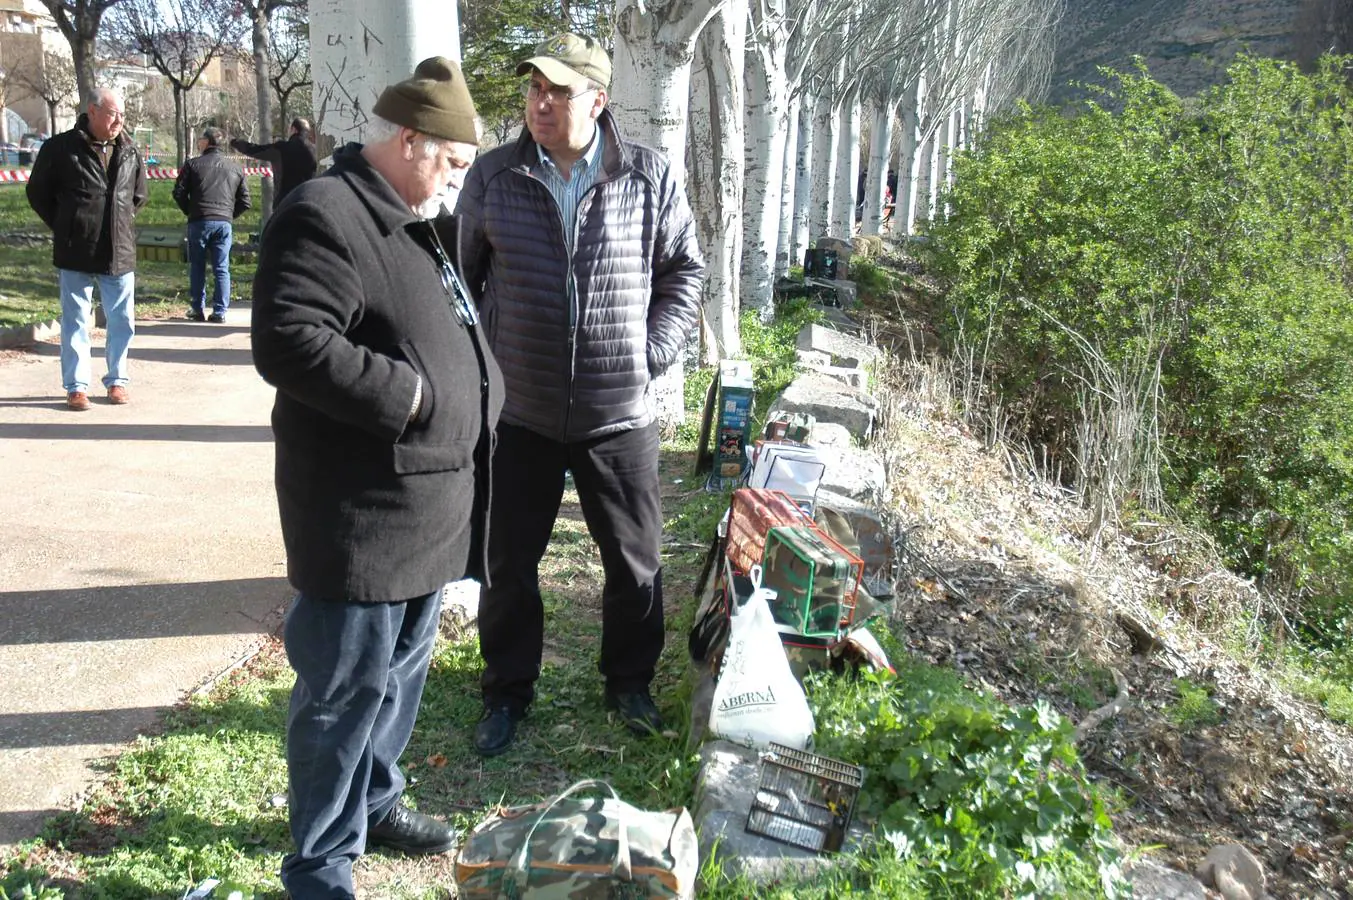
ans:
x=216 y=318
x=637 y=710
x=195 y=315
x=411 y=832
x=496 y=729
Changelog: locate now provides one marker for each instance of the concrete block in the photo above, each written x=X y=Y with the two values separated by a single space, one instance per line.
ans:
x=25 y=335
x=844 y=349
x=725 y=786
x=829 y=400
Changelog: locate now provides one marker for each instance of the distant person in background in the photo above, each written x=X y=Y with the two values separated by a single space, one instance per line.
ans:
x=212 y=192
x=86 y=185
x=292 y=160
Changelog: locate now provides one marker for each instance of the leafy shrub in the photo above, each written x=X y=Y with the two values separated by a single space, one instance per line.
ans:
x=1203 y=238
x=986 y=800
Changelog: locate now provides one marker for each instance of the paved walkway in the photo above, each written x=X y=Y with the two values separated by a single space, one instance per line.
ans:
x=141 y=554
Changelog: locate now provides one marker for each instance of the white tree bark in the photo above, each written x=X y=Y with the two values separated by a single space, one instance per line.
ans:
x=821 y=200
x=784 y=256
x=767 y=133
x=847 y=166
x=803 y=179
x=907 y=163
x=359 y=47
x=716 y=169
x=880 y=151
x=651 y=78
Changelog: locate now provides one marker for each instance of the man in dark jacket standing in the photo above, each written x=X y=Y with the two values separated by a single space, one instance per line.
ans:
x=582 y=247
x=386 y=402
x=212 y=192
x=292 y=160
x=86 y=185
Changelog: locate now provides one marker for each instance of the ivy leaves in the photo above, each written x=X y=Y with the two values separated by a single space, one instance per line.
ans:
x=972 y=790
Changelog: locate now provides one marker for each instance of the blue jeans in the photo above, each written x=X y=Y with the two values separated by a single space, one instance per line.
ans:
x=77 y=298
x=360 y=671
x=209 y=241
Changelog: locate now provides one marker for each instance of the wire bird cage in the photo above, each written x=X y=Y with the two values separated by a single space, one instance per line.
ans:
x=804 y=800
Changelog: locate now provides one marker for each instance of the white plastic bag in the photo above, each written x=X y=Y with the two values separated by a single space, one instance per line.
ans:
x=757 y=700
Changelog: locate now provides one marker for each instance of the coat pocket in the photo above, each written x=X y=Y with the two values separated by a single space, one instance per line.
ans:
x=411 y=459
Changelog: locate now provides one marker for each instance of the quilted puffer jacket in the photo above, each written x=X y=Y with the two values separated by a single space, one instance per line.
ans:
x=576 y=371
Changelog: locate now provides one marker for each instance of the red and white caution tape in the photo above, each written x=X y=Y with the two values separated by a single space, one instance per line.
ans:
x=155 y=173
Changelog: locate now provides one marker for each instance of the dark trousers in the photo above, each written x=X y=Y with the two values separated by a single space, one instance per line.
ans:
x=617 y=482
x=360 y=671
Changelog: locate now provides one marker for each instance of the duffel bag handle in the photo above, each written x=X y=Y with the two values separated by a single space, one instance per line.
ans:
x=520 y=863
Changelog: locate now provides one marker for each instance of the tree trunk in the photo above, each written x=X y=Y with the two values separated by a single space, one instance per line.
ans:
x=82 y=52
x=907 y=162
x=847 y=165
x=716 y=171
x=767 y=125
x=880 y=145
x=180 y=125
x=823 y=193
x=784 y=256
x=654 y=46
x=264 y=96
x=51 y=116
x=803 y=178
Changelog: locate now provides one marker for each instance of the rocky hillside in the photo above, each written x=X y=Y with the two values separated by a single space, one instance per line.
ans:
x=1185 y=43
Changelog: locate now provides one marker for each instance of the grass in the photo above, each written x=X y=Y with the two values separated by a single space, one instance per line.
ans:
x=28 y=281
x=206 y=796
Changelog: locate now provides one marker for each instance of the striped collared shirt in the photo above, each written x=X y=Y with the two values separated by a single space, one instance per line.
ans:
x=569 y=193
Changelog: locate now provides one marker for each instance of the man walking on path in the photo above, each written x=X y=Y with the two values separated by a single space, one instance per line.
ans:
x=212 y=192
x=386 y=402
x=86 y=185
x=582 y=246
x=292 y=160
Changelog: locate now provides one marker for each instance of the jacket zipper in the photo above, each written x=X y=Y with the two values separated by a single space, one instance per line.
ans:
x=575 y=305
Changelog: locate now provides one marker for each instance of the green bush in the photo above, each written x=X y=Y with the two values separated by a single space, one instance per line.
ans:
x=1213 y=237
x=986 y=800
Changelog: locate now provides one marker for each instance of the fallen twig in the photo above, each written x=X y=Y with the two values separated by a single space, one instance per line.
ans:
x=1105 y=712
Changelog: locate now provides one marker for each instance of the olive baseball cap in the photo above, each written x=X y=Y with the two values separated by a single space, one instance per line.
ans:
x=565 y=58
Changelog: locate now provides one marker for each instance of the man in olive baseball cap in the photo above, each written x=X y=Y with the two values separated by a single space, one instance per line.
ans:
x=565 y=58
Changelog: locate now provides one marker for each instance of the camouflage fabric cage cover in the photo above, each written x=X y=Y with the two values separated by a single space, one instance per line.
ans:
x=577 y=848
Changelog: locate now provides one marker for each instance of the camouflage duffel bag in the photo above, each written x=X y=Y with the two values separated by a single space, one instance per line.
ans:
x=578 y=848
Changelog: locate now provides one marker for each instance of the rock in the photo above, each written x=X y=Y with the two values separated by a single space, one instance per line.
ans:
x=829 y=400
x=460 y=609
x=854 y=378
x=1152 y=881
x=1233 y=871
x=851 y=471
x=843 y=349
x=867 y=246
x=724 y=788
x=846 y=293
x=829 y=434
x=814 y=359
x=873 y=536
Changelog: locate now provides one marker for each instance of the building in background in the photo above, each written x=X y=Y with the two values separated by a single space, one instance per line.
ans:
x=30 y=41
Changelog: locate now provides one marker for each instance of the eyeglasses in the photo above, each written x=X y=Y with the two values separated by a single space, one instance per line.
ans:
x=456 y=292
x=555 y=96
x=116 y=115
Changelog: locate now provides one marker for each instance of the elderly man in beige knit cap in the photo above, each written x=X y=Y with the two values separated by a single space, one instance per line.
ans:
x=386 y=400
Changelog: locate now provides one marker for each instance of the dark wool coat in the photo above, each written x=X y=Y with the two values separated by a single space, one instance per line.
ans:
x=349 y=309
x=576 y=372
x=89 y=211
x=292 y=161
